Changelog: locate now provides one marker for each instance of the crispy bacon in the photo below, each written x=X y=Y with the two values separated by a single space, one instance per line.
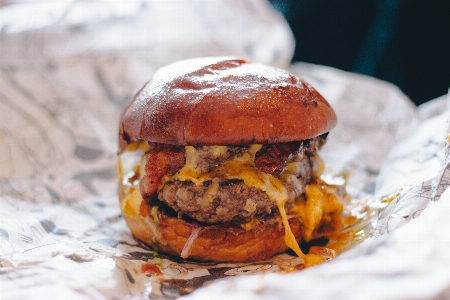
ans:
x=162 y=160
x=271 y=158
x=167 y=159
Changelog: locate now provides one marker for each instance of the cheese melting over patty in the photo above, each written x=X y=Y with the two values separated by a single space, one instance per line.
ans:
x=242 y=168
x=321 y=205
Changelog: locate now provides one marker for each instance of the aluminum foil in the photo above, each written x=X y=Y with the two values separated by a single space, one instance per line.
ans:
x=67 y=69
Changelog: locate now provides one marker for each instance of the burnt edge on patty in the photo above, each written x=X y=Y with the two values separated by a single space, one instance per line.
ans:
x=234 y=202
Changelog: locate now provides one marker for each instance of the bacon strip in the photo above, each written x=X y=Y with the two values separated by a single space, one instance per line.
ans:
x=167 y=159
x=271 y=158
x=162 y=160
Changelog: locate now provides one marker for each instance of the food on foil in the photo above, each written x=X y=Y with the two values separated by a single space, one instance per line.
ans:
x=219 y=161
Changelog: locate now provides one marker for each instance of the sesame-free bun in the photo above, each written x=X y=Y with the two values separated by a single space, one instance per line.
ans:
x=224 y=101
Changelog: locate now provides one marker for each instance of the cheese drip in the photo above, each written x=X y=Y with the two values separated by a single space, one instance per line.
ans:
x=129 y=168
x=242 y=168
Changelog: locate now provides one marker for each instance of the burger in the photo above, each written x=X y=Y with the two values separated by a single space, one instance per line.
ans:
x=218 y=161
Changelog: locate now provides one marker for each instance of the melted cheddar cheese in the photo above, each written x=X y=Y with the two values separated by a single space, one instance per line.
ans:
x=243 y=168
x=320 y=207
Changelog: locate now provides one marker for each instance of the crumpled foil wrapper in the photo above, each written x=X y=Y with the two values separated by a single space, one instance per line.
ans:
x=67 y=69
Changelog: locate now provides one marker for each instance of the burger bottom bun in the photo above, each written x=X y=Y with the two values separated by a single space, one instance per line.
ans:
x=219 y=243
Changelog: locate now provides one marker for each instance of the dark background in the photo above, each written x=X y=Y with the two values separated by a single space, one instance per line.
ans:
x=406 y=42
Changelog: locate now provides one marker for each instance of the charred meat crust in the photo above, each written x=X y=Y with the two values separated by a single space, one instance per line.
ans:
x=234 y=201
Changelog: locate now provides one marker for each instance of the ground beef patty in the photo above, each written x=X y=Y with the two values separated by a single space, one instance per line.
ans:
x=233 y=201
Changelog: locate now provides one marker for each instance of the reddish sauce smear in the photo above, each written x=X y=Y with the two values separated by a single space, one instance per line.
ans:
x=149 y=268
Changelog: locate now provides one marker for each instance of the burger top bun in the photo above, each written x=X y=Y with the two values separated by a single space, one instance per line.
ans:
x=224 y=101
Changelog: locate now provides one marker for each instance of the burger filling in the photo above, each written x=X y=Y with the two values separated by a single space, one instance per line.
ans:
x=211 y=187
x=242 y=185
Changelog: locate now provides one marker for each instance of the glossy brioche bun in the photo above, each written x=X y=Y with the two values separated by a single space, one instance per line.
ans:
x=224 y=101
x=218 y=101
x=219 y=243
